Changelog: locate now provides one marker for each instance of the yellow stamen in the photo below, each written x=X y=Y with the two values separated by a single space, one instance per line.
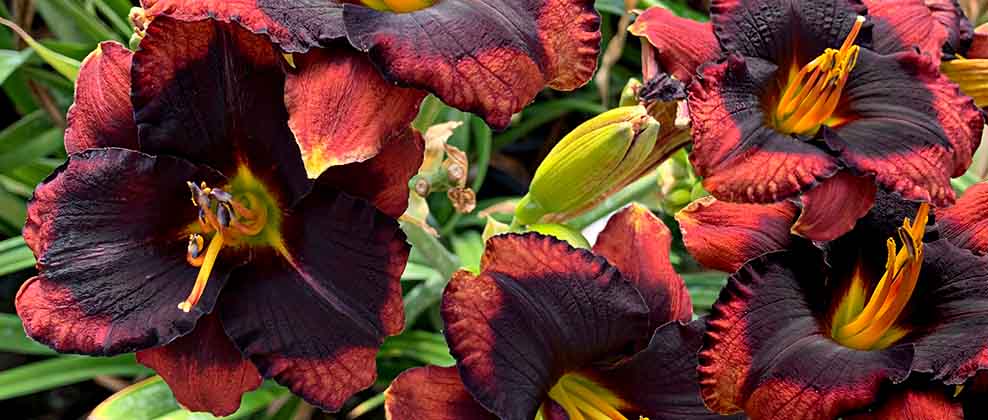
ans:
x=873 y=326
x=215 y=245
x=811 y=97
x=581 y=398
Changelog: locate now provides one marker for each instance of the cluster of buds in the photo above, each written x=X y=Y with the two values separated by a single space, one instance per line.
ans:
x=678 y=184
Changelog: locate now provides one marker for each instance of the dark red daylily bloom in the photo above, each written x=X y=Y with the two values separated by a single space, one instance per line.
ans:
x=265 y=273
x=811 y=98
x=547 y=329
x=489 y=58
x=807 y=331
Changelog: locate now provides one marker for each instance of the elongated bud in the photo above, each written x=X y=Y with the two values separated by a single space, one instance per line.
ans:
x=593 y=161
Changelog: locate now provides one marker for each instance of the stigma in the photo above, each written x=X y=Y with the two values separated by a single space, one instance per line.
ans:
x=582 y=398
x=871 y=326
x=812 y=95
x=230 y=220
x=397 y=6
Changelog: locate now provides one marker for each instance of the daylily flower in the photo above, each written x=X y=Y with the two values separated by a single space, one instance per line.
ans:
x=804 y=99
x=554 y=332
x=834 y=330
x=264 y=272
x=488 y=58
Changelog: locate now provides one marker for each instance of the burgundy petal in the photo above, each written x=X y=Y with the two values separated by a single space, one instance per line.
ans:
x=949 y=322
x=740 y=156
x=964 y=223
x=101 y=115
x=901 y=25
x=832 y=208
x=909 y=126
x=782 y=30
x=217 y=98
x=341 y=110
x=295 y=25
x=638 y=244
x=203 y=369
x=766 y=351
x=432 y=393
x=538 y=310
x=723 y=235
x=683 y=44
x=313 y=312
x=661 y=382
x=110 y=232
x=907 y=404
x=490 y=57
x=382 y=180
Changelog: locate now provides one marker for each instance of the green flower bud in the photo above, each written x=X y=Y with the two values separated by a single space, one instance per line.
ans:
x=494 y=228
x=593 y=161
x=629 y=95
x=561 y=232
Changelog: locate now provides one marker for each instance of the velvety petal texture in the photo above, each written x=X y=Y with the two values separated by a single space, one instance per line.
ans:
x=101 y=114
x=682 y=44
x=906 y=404
x=432 y=393
x=775 y=30
x=294 y=24
x=539 y=309
x=723 y=235
x=104 y=219
x=313 y=312
x=964 y=223
x=203 y=369
x=832 y=208
x=217 y=98
x=767 y=353
x=915 y=143
x=660 y=382
x=382 y=180
x=740 y=156
x=929 y=25
x=341 y=110
x=638 y=243
x=489 y=57
x=950 y=319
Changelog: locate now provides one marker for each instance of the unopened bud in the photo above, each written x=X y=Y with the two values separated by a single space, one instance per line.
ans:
x=629 y=95
x=561 y=232
x=593 y=161
x=494 y=228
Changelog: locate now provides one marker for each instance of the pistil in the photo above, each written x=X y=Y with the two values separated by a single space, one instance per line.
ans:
x=233 y=223
x=811 y=97
x=873 y=326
